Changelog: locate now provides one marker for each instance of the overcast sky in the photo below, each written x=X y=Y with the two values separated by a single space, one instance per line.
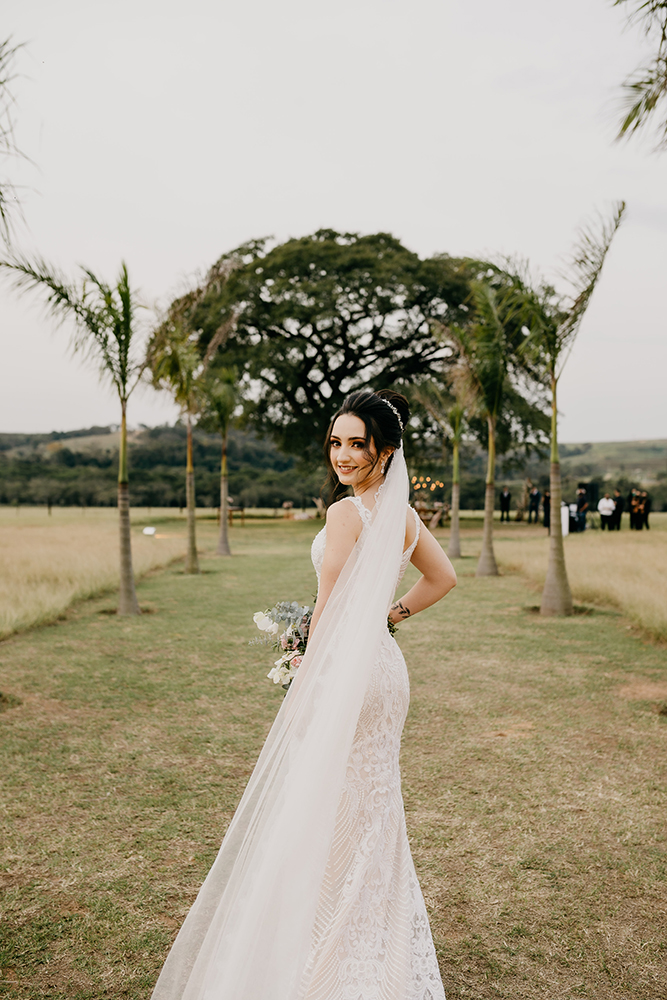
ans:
x=165 y=133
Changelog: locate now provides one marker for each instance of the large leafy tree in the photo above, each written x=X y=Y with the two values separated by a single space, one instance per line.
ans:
x=645 y=91
x=323 y=315
x=554 y=322
x=106 y=328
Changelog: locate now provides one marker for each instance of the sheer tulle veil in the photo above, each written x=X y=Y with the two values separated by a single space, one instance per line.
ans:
x=248 y=934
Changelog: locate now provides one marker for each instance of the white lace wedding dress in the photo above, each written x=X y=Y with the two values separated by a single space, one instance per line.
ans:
x=371 y=938
x=313 y=894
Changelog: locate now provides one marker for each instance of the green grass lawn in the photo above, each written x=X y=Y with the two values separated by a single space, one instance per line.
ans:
x=534 y=764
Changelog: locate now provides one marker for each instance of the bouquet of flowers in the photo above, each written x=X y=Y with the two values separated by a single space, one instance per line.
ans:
x=285 y=627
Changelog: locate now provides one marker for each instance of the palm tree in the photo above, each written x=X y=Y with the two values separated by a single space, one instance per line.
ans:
x=175 y=363
x=220 y=399
x=456 y=414
x=448 y=413
x=645 y=92
x=175 y=360
x=106 y=329
x=481 y=382
x=553 y=323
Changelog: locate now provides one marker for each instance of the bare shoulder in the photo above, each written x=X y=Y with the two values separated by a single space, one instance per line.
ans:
x=412 y=525
x=343 y=516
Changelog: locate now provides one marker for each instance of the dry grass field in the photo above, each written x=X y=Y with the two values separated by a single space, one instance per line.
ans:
x=625 y=570
x=533 y=769
x=49 y=562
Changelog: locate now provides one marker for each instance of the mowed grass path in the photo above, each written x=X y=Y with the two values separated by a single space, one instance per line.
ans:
x=534 y=765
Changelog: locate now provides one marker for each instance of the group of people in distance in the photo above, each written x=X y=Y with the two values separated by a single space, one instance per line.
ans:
x=535 y=498
x=610 y=509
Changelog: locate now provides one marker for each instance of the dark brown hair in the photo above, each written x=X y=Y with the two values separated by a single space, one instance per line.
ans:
x=383 y=430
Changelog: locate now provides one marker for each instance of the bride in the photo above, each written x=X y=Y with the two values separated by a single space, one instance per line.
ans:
x=313 y=895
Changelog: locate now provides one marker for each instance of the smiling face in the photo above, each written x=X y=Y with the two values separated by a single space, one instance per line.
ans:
x=352 y=459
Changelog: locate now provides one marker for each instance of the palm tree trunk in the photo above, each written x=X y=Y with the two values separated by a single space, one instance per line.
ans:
x=556 y=596
x=191 y=560
x=223 y=548
x=487 y=565
x=127 y=602
x=454 y=549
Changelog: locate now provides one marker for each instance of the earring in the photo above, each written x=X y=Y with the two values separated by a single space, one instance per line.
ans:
x=383 y=466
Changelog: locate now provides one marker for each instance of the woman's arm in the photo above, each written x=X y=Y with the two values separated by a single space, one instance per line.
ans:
x=438 y=578
x=343 y=530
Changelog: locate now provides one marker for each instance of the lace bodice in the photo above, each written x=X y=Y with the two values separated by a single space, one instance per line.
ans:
x=320 y=540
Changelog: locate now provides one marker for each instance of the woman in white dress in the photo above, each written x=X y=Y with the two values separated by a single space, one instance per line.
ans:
x=313 y=895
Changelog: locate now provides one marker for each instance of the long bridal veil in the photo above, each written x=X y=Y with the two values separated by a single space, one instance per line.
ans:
x=248 y=934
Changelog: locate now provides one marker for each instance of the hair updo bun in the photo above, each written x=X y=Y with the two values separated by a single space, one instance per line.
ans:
x=385 y=414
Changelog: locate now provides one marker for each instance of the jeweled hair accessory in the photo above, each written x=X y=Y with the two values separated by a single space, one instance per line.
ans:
x=392 y=407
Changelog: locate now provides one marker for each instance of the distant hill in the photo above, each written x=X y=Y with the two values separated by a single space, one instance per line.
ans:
x=645 y=461
x=603 y=466
x=80 y=467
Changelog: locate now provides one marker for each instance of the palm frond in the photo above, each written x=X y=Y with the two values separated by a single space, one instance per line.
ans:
x=643 y=94
x=220 y=337
x=646 y=90
x=220 y=397
x=584 y=268
x=9 y=201
x=437 y=402
x=652 y=13
x=463 y=376
x=103 y=316
x=175 y=364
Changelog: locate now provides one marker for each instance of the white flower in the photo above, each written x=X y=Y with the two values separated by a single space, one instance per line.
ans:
x=273 y=628
x=263 y=622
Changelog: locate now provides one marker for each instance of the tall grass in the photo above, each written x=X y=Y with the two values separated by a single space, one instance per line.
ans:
x=625 y=570
x=47 y=563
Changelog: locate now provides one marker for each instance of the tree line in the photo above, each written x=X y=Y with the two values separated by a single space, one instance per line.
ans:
x=57 y=469
x=49 y=469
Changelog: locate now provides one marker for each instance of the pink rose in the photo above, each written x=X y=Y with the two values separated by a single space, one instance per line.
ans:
x=296 y=661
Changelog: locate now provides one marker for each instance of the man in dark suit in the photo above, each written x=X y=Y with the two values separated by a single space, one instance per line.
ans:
x=505 y=497
x=633 y=507
x=582 y=508
x=546 y=507
x=534 y=503
x=618 y=510
x=645 y=508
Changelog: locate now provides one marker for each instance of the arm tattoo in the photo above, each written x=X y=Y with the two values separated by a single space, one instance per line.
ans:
x=403 y=612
